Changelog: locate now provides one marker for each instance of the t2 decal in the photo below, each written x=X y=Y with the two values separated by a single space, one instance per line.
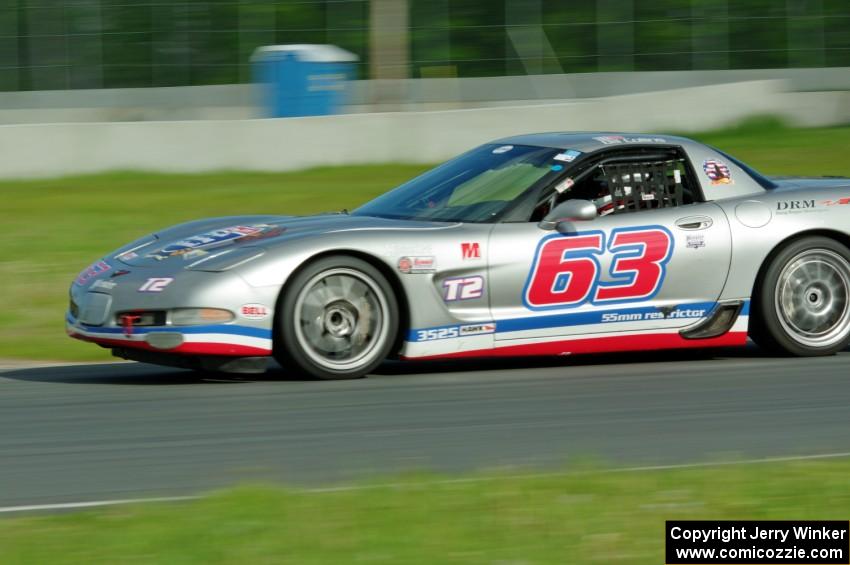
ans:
x=156 y=284
x=566 y=271
x=463 y=288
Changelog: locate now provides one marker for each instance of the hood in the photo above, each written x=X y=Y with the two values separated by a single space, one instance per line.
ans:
x=240 y=238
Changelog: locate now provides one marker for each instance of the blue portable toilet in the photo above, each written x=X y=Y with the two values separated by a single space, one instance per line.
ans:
x=302 y=80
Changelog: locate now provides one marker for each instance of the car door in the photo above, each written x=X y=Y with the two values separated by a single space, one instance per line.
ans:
x=656 y=259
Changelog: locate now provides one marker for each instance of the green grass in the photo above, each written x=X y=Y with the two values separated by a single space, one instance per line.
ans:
x=54 y=228
x=775 y=149
x=576 y=518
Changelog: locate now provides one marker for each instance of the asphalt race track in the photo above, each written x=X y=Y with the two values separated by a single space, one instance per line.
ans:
x=124 y=430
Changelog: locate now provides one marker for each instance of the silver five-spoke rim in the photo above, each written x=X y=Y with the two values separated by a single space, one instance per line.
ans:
x=812 y=298
x=341 y=319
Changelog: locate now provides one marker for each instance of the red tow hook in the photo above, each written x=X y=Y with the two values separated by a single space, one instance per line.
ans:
x=127 y=321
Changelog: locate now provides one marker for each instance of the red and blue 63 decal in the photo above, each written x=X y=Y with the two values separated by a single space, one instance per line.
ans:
x=567 y=270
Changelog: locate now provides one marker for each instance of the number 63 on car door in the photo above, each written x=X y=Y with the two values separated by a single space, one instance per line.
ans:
x=566 y=271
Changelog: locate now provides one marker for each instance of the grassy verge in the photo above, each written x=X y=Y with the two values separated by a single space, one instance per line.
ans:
x=774 y=149
x=576 y=518
x=54 y=228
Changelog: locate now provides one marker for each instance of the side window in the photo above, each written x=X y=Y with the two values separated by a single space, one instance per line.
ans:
x=625 y=184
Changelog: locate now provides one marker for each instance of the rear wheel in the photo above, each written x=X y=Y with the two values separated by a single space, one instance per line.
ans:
x=337 y=320
x=802 y=306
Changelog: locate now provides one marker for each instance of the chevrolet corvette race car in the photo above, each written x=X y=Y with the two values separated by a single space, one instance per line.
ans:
x=544 y=244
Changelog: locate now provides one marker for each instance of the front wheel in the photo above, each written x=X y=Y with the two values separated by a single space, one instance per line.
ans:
x=802 y=306
x=337 y=320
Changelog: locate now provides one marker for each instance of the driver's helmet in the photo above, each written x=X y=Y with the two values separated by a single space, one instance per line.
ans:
x=606 y=204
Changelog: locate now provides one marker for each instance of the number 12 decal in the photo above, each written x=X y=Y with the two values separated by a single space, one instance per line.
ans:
x=566 y=269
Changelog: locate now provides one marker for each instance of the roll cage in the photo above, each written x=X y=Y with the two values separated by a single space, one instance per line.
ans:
x=638 y=177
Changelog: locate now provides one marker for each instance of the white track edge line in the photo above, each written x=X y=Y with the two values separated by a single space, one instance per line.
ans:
x=93 y=504
x=642 y=469
x=351 y=488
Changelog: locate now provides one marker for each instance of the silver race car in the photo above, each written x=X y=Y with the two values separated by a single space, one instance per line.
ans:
x=545 y=244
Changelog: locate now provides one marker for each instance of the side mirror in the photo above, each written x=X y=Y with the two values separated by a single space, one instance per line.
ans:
x=569 y=211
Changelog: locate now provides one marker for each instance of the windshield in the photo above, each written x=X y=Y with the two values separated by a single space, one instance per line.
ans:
x=474 y=187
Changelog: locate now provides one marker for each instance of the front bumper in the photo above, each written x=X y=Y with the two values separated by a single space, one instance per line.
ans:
x=95 y=312
x=224 y=339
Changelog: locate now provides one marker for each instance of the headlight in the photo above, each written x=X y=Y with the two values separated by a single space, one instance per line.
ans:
x=200 y=316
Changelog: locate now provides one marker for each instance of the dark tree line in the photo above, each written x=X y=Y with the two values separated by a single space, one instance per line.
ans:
x=56 y=44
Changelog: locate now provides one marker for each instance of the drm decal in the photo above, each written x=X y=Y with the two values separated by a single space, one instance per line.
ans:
x=566 y=271
x=463 y=288
x=795 y=205
x=809 y=206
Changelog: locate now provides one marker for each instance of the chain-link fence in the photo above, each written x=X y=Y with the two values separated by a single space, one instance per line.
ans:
x=72 y=44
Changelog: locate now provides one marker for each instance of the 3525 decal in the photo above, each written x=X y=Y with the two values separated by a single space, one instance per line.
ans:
x=566 y=271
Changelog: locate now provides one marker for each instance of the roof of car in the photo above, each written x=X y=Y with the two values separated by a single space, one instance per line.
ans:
x=589 y=141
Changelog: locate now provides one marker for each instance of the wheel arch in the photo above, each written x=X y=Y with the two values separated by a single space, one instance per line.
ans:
x=836 y=235
x=388 y=273
x=762 y=322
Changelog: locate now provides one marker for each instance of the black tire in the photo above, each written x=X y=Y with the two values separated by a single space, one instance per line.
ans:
x=801 y=304
x=326 y=329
